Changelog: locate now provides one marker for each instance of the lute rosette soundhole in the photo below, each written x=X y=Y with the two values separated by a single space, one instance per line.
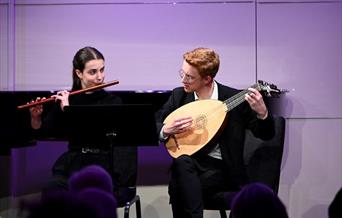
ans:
x=201 y=122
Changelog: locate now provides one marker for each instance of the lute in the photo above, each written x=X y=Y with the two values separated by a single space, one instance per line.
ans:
x=208 y=117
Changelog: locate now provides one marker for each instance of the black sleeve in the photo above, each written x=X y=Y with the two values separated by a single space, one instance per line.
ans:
x=263 y=129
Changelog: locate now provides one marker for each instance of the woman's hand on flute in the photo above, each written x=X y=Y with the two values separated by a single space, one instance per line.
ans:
x=36 y=114
x=63 y=97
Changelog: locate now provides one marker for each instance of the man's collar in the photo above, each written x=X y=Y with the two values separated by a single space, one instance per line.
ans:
x=214 y=95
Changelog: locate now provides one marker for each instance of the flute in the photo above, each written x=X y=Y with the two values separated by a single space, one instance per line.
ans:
x=114 y=82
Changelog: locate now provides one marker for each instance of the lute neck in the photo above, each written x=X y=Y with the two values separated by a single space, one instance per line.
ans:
x=237 y=99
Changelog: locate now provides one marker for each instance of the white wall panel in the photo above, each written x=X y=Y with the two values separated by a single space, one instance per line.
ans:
x=300 y=49
x=143 y=44
x=312 y=166
x=3 y=46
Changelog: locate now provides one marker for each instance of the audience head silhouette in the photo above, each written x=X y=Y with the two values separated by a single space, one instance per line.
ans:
x=94 y=185
x=257 y=200
x=90 y=196
x=335 y=207
x=91 y=176
x=104 y=203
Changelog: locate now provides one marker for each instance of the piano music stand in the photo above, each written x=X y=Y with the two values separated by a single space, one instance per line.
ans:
x=105 y=126
x=93 y=125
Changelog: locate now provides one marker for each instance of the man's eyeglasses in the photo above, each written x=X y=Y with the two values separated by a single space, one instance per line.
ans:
x=186 y=77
